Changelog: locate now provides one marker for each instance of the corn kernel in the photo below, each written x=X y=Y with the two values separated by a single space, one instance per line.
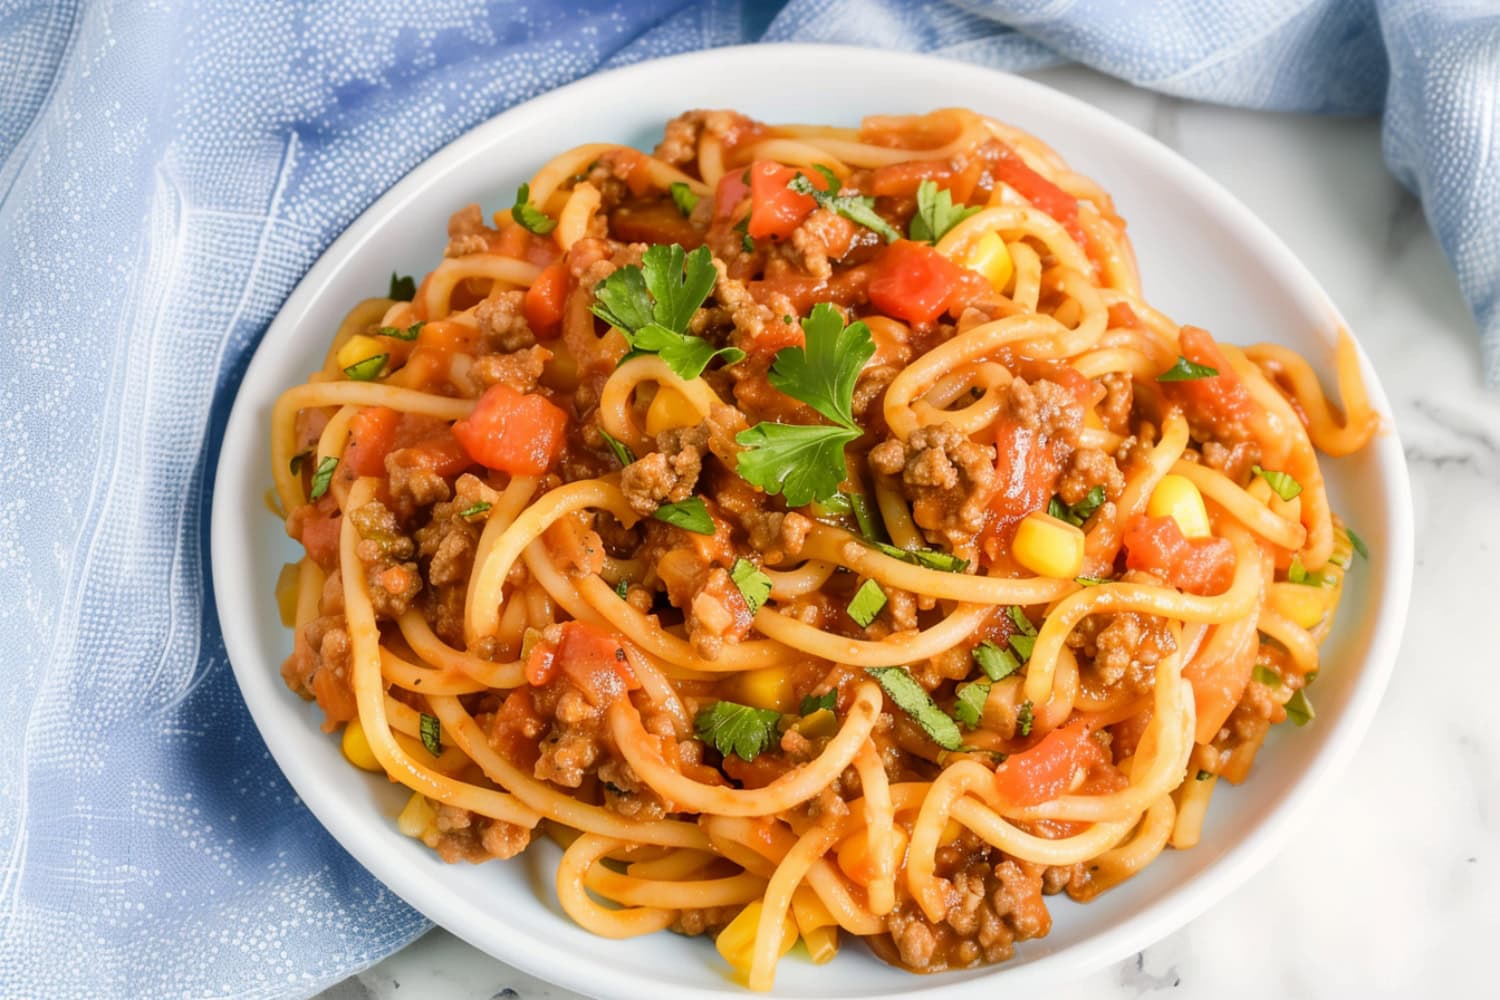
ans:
x=358 y=348
x=1176 y=497
x=357 y=748
x=989 y=256
x=809 y=911
x=736 y=942
x=768 y=687
x=952 y=830
x=1048 y=547
x=822 y=944
x=670 y=409
x=1301 y=603
x=856 y=861
x=416 y=816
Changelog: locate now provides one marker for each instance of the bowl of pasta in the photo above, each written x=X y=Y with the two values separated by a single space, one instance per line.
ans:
x=800 y=544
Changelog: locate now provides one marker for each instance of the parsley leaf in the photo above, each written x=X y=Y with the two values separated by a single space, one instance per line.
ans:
x=969 y=707
x=409 y=333
x=431 y=731
x=690 y=515
x=322 y=476
x=369 y=368
x=1024 y=718
x=1281 y=484
x=654 y=303
x=1025 y=638
x=996 y=663
x=1076 y=514
x=857 y=208
x=868 y=600
x=754 y=585
x=818 y=702
x=930 y=558
x=935 y=213
x=803 y=463
x=908 y=695
x=741 y=730
x=478 y=508
x=528 y=215
x=683 y=197
x=403 y=287
x=1184 y=370
x=1299 y=709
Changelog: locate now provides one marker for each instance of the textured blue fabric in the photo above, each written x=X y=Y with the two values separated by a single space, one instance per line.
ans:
x=167 y=172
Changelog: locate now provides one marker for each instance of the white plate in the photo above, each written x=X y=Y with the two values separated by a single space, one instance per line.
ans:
x=1204 y=258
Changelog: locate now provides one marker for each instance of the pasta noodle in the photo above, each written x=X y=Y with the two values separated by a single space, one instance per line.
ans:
x=813 y=530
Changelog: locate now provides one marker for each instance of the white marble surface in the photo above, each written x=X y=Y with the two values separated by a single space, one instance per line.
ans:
x=1392 y=887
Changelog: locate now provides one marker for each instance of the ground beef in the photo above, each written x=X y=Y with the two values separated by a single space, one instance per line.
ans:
x=948 y=478
x=460 y=835
x=734 y=307
x=707 y=921
x=1235 y=461
x=717 y=614
x=1087 y=468
x=466 y=232
x=1047 y=408
x=868 y=390
x=321 y=644
x=1119 y=396
x=571 y=748
x=608 y=175
x=412 y=485
x=822 y=235
x=668 y=474
x=992 y=907
x=502 y=322
x=679 y=141
x=519 y=370
x=387 y=554
x=446 y=545
x=1123 y=648
x=776 y=536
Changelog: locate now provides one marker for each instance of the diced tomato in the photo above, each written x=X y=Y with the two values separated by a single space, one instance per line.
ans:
x=913 y=282
x=1042 y=193
x=1121 y=316
x=543 y=305
x=516 y=727
x=1218 y=685
x=317 y=527
x=440 y=453
x=1220 y=402
x=734 y=188
x=775 y=209
x=656 y=221
x=592 y=659
x=1046 y=771
x=334 y=696
x=1196 y=565
x=371 y=434
x=1026 y=476
x=519 y=433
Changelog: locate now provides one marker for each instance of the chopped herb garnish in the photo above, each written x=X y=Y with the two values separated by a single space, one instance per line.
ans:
x=834 y=506
x=1025 y=638
x=747 y=243
x=935 y=213
x=1203 y=775
x=296 y=463
x=969 y=707
x=478 y=508
x=996 y=663
x=690 y=515
x=322 y=476
x=654 y=303
x=818 y=702
x=754 y=585
x=1019 y=619
x=1024 y=718
x=1358 y=543
x=1299 y=709
x=407 y=333
x=403 y=287
x=907 y=694
x=1091 y=581
x=867 y=516
x=618 y=448
x=1265 y=675
x=432 y=731
x=930 y=558
x=1076 y=514
x=623 y=589
x=867 y=602
x=1281 y=484
x=1186 y=371
x=369 y=368
x=683 y=197
x=741 y=730
x=806 y=462
x=528 y=215
x=857 y=208
x=787 y=318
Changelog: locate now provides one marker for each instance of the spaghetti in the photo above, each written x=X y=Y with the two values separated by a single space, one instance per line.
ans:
x=815 y=532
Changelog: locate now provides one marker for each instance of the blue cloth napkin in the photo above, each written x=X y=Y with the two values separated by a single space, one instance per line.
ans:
x=168 y=171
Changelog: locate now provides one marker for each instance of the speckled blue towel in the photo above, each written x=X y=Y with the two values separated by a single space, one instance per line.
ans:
x=167 y=171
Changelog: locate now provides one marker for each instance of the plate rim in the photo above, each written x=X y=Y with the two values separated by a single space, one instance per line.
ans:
x=1156 y=917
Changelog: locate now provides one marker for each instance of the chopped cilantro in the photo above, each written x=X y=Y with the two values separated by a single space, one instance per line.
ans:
x=683 y=197
x=930 y=558
x=431 y=731
x=690 y=515
x=1024 y=718
x=1299 y=709
x=369 y=368
x=322 y=476
x=818 y=702
x=867 y=602
x=741 y=730
x=400 y=333
x=618 y=448
x=969 y=707
x=996 y=663
x=478 y=508
x=908 y=695
x=857 y=208
x=1076 y=514
x=528 y=215
x=1184 y=370
x=754 y=585
x=935 y=213
x=1281 y=484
